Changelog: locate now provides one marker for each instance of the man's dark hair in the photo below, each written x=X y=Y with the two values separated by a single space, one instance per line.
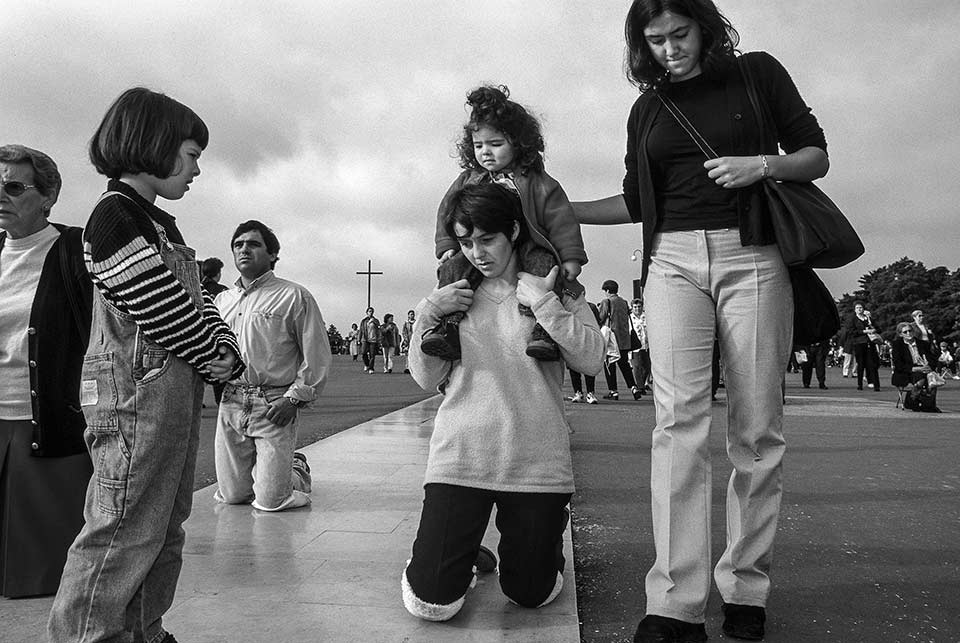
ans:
x=210 y=268
x=269 y=238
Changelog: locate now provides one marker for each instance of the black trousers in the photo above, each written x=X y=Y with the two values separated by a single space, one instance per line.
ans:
x=610 y=371
x=452 y=525
x=867 y=360
x=577 y=380
x=816 y=361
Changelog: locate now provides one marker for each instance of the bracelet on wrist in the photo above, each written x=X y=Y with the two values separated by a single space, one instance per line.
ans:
x=765 y=170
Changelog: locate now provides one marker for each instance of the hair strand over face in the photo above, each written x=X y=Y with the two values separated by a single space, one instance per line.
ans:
x=719 y=39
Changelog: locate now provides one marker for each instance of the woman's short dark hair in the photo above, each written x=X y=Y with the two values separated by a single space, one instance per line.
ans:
x=719 y=38
x=491 y=106
x=46 y=176
x=142 y=131
x=488 y=206
x=269 y=238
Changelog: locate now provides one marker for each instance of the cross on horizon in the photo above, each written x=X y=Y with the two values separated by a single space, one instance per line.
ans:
x=369 y=273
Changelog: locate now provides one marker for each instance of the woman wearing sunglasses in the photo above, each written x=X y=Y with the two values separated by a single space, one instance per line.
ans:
x=44 y=324
x=912 y=359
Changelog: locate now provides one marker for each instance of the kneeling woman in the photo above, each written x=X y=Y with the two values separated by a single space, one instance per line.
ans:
x=500 y=436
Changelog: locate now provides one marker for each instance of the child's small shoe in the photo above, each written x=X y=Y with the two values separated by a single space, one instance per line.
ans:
x=443 y=341
x=541 y=346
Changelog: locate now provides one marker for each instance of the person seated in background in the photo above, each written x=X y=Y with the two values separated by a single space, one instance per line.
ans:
x=911 y=362
x=947 y=364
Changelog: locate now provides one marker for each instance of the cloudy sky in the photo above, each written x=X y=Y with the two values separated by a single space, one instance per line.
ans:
x=334 y=122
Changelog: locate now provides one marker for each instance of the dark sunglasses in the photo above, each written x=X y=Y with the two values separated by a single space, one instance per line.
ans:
x=15 y=188
x=906 y=330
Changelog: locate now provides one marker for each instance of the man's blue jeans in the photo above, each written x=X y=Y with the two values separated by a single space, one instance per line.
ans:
x=254 y=456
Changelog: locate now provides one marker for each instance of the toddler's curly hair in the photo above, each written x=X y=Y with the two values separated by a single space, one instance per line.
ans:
x=491 y=106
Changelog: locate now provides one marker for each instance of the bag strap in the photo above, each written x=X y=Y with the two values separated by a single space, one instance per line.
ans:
x=688 y=127
x=751 y=86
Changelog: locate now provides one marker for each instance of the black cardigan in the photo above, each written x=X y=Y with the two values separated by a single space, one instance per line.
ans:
x=788 y=123
x=57 y=341
x=903 y=361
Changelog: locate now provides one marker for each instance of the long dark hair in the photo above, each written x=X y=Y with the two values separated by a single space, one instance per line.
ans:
x=719 y=39
x=491 y=106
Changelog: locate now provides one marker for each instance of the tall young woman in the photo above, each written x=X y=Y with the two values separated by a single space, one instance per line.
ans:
x=710 y=266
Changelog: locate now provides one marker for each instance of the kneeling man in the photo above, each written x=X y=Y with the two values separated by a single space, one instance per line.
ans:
x=283 y=341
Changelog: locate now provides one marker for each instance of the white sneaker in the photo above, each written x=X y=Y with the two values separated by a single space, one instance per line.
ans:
x=869 y=385
x=577 y=397
x=592 y=399
x=956 y=377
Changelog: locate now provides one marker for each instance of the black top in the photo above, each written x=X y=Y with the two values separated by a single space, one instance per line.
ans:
x=788 y=122
x=688 y=199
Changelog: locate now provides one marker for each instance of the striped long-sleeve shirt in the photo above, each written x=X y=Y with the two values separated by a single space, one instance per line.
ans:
x=120 y=249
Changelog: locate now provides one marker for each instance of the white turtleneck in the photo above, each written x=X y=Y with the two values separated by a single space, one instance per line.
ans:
x=21 y=261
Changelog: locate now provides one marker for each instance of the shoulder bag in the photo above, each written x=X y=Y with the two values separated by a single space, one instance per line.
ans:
x=815 y=315
x=810 y=229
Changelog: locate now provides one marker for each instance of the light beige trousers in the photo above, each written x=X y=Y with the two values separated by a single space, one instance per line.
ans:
x=702 y=284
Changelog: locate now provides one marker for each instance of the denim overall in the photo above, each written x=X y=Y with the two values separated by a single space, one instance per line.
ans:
x=142 y=407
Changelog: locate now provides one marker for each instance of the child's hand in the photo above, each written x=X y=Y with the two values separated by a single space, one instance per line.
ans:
x=453 y=297
x=571 y=270
x=530 y=288
x=221 y=367
x=446 y=255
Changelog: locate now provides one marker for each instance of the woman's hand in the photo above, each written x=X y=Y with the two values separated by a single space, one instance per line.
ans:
x=732 y=172
x=530 y=288
x=453 y=297
x=571 y=270
x=446 y=255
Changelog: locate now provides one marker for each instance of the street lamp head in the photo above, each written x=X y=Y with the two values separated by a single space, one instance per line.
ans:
x=636 y=254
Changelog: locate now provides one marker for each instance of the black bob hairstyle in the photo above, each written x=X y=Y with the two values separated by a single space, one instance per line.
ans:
x=719 y=39
x=491 y=106
x=487 y=206
x=269 y=238
x=142 y=131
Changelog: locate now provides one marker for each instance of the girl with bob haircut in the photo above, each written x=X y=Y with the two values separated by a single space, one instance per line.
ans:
x=710 y=265
x=155 y=338
x=500 y=436
x=502 y=143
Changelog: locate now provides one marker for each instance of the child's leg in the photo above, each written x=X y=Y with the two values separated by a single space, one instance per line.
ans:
x=444 y=340
x=452 y=524
x=539 y=261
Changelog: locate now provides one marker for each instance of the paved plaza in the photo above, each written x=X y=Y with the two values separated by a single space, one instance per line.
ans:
x=867 y=547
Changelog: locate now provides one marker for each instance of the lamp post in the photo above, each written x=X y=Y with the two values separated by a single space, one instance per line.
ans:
x=637 y=290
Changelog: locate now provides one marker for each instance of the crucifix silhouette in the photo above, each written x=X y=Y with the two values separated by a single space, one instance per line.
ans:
x=369 y=273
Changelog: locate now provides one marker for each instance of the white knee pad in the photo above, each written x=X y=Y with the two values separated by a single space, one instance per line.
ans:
x=557 y=587
x=427 y=611
x=556 y=591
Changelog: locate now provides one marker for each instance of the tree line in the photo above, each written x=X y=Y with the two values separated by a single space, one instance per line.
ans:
x=892 y=292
